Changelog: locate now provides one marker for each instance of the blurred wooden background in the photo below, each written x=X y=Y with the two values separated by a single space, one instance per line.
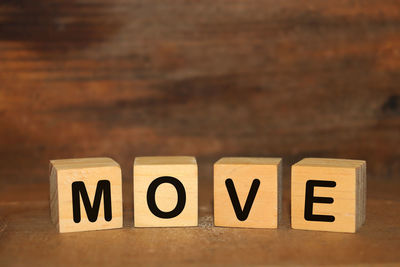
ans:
x=122 y=78
x=205 y=78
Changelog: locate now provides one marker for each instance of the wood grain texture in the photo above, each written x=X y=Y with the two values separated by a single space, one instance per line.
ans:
x=124 y=78
x=266 y=204
x=348 y=194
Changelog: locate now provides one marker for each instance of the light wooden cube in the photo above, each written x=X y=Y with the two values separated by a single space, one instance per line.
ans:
x=165 y=191
x=248 y=179
x=336 y=191
x=85 y=194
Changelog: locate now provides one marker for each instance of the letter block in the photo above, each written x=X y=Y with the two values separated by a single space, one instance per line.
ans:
x=165 y=191
x=328 y=194
x=247 y=192
x=85 y=194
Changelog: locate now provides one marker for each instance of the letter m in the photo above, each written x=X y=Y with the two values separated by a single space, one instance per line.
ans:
x=92 y=211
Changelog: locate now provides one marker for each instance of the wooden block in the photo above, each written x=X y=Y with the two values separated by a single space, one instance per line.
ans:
x=165 y=191
x=247 y=192
x=329 y=194
x=85 y=194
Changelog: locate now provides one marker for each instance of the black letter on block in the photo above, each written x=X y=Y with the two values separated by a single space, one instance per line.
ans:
x=151 y=197
x=310 y=200
x=242 y=214
x=103 y=186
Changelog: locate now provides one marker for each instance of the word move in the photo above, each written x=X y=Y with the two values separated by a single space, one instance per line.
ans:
x=326 y=194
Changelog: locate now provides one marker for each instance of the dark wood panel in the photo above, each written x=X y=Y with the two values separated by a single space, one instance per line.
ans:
x=204 y=78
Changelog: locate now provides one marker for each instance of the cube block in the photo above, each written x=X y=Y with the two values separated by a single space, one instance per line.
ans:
x=165 y=191
x=247 y=192
x=328 y=194
x=85 y=194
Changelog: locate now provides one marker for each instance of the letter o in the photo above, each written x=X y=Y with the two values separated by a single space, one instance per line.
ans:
x=151 y=197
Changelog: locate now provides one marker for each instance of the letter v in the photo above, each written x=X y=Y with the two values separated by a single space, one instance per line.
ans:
x=242 y=214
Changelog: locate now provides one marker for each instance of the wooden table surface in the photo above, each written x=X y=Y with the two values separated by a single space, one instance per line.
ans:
x=212 y=78
x=28 y=237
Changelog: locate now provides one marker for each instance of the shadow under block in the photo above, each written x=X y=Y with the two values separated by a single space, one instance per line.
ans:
x=85 y=194
x=343 y=189
x=165 y=191
x=241 y=175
